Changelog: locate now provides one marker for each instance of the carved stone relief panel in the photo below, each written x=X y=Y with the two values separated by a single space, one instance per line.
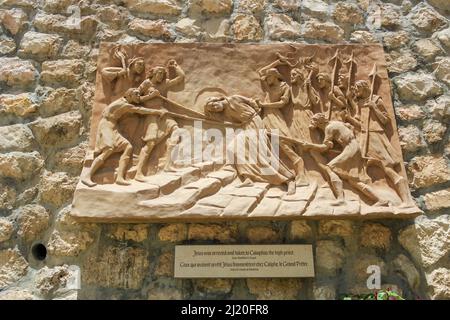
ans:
x=242 y=131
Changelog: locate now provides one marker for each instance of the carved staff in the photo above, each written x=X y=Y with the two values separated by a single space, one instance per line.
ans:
x=336 y=61
x=352 y=63
x=182 y=116
x=373 y=76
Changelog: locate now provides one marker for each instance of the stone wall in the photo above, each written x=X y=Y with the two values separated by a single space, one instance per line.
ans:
x=47 y=74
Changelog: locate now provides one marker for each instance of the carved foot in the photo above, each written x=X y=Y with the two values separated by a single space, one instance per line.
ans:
x=408 y=204
x=301 y=182
x=381 y=203
x=88 y=182
x=139 y=178
x=337 y=202
x=123 y=182
x=291 y=188
x=247 y=183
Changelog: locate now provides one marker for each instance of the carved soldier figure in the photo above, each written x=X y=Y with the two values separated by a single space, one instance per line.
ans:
x=348 y=165
x=109 y=140
x=375 y=144
x=127 y=75
x=245 y=111
x=154 y=92
x=278 y=96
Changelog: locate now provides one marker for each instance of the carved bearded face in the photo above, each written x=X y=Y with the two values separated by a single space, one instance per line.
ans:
x=296 y=76
x=322 y=82
x=139 y=66
x=132 y=96
x=215 y=104
x=362 y=90
x=342 y=80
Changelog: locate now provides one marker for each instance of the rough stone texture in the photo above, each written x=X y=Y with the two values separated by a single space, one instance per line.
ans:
x=438 y=200
x=282 y=26
x=6 y=229
x=33 y=220
x=47 y=69
x=262 y=235
x=165 y=265
x=20 y=166
x=13 y=266
x=375 y=235
x=427 y=240
x=220 y=233
x=137 y=233
x=15 y=72
x=329 y=257
x=62 y=72
x=274 y=289
x=115 y=267
x=39 y=46
x=246 y=27
x=49 y=280
x=417 y=87
x=439 y=283
x=428 y=170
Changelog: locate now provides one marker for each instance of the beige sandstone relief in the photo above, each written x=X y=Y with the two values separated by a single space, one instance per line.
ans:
x=228 y=131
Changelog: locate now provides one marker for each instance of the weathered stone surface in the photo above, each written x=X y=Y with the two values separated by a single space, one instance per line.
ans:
x=262 y=235
x=247 y=27
x=407 y=270
x=439 y=283
x=390 y=16
x=439 y=108
x=217 y=29
x=8 y=197
x=428 y=170
x=21 y=105
x=280 y=26
x=287 y=5
x=314 y=8
x=32 y=220
x=442 y=70
x=300 y=230
x=428 y=240
x=57 y=101
x=375 y=235
x=211 y=6
x=410 y=113
x=417 y=86
x=222 y=233
x=444 y=37
x=165 y=265
x=49 y=280
x=13 y=266
x=150 y=28
x=173 y=232
x=16 y=72
x=395 y=40
x=434 y=131
x=437 y=200
x=19 y=165
x=156 y=7
x=188 y=27
x=314 y=29
x=364 y=37
x=401 y=61
x=348 y=13
x=213 y=286
x=426 y=19
x=137 y=233
x=324 y=292
x=16 y=138
x=162 y=291
x=358 y=270
x=71 y=160
x=56 y=23
x=329 y=257
x=115 y=17
x=16 y=294
x=56 y=188
x=68 y=243
x=116 y=267
x=62 y=72
x=13 y=20
x=440 y=4
x=410 y=138
x=251 y=6
x=39 y=46
x=7 y=46
x=427 y=48
x=274 y=289
x=74 y=50
x=340 y=228
x=58 y=130
x=6 y=229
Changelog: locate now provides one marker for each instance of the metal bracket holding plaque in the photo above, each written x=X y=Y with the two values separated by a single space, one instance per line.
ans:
x=244 y=261
x=195 y=131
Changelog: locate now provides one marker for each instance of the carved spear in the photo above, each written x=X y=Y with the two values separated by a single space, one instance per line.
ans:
x=373 y=76
x=336 y=60
x=352 y=63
